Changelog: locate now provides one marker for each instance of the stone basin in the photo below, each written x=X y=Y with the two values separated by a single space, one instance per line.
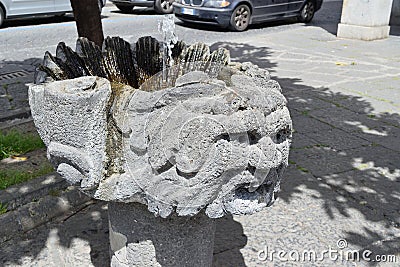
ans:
x=202 y=138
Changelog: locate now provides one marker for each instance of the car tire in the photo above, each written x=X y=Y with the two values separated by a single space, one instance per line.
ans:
x=240 y=18
x=124 y=8
x=2 y=15
x=307 y=12
x=163 y=6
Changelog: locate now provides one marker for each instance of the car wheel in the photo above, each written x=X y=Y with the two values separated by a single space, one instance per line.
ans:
x=307 y=12
x=163 y=6
x=240 y=18
x=1 y=16
x=125 y=9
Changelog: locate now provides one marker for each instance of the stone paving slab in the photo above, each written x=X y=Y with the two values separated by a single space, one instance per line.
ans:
x=19 y=195
x=301 y=141
x=31 y=215
x=321 y=160
x=306 y=124
x=337 y=139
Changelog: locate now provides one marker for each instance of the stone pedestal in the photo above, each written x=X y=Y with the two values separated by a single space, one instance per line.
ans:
x=138 y=238
x=365 y=20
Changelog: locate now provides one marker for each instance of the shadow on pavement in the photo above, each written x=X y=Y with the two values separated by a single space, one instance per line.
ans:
x=229 y=239
x=215 y=28
x=246 y=52
x=350 y=154
x=139 y=11
x=395 y=30
x=83 y=239
x=80 y=240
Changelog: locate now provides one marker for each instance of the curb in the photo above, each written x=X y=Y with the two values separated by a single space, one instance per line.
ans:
x=18 y=195
x=36 y=202
x=34 y=214
x=20 y=113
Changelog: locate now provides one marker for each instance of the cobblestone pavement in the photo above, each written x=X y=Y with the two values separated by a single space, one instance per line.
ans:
x=341 y=190
x=14 y=77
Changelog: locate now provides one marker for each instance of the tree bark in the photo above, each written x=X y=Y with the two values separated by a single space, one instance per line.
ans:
x=88 y=20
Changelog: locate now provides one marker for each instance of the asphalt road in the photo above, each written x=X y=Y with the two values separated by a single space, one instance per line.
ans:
x=30 y=38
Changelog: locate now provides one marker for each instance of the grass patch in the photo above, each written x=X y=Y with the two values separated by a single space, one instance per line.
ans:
x=15 y=143
x=337 y=105
x=305 y=112
x=302 y=169
x=11 y=177
x=54 y=193
x=3 y=208
x=321 y=145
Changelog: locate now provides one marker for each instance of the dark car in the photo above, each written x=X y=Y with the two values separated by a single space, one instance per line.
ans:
x=160 y=6
x=239 y=14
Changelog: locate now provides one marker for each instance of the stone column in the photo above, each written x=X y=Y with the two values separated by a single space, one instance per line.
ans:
x=365 y=19
x=138 y=238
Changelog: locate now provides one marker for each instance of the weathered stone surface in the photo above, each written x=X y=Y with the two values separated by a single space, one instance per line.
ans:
x=216 y=138
x=71 y=117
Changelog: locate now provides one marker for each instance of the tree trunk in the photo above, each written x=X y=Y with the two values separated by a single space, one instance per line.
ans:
x=88 y=20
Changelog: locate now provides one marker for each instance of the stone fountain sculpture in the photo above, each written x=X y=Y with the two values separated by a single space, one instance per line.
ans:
x=169 y=150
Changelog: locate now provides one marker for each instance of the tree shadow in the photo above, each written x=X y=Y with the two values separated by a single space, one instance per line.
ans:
x=229 y=239
x=346 y=148
x=83 y=237
x=246 y=52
